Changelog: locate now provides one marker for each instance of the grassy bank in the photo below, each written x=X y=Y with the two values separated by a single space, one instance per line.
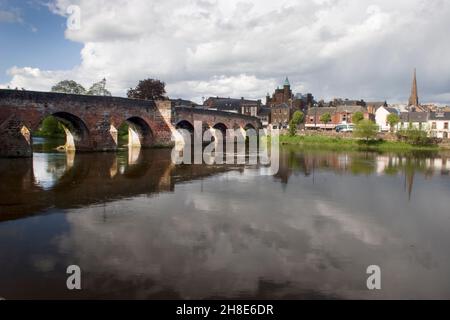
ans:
x=341 y=143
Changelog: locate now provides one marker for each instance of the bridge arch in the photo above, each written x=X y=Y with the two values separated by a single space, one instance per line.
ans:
x=77 y=132
x=221 y=127
x=186 y=125
x=140 y=133
x=249 y=126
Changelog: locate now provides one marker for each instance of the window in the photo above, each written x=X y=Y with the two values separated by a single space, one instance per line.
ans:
x=433 y=125
x=445 y=125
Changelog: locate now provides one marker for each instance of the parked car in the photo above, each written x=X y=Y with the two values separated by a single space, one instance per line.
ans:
x=345 y=128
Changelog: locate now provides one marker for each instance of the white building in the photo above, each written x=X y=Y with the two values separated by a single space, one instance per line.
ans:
x=381 y=117
x=418 y=120
x=438 y=124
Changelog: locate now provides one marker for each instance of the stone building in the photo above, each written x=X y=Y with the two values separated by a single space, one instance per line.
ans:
x=280 y=115
x=339 y=115
x=243 y=106
x=280 y=96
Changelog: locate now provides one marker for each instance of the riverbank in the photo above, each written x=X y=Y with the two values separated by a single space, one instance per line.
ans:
x=346 y=143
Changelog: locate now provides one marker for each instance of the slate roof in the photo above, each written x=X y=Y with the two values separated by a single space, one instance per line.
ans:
x=350 y=109
x=230 y=103
x=392 y=110
x=414 y=117
x=439 y=116
x=321 y=110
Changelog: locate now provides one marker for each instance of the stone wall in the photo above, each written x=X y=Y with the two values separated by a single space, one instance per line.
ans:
x=92 y=120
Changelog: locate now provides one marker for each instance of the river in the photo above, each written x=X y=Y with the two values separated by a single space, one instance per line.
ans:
x=142 y=228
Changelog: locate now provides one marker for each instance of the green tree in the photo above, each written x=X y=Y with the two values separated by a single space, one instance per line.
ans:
x=366 y=129
x=148 y=89
x=325 y=118
x=357 y=117
x=297 y=118
x=393 y=119
x=99 y=89
x=69 y=86
x=51 y=128
x=415 y=136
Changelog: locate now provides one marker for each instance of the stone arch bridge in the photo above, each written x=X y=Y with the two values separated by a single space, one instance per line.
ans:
x=91 y=122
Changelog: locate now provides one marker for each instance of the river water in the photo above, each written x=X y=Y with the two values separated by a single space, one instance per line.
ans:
x=142 y=228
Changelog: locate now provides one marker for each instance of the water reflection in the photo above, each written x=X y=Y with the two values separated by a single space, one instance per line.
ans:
x=140 y=227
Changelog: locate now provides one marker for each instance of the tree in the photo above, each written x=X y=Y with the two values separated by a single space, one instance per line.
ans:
x=415 y=136
x=148 y=89
x=357 y=117
x=393 y=119
x=325 y=118
x=69 y=86
x=99 y=89
x=297 y=118
x=366 y=129
x=51 y=128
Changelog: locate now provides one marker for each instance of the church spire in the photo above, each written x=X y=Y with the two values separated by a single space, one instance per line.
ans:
x=414 y=98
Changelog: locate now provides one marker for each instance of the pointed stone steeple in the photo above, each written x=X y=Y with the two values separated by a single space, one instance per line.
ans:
x=414 y=98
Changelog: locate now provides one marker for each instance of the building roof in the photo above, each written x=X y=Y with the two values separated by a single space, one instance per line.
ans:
x=281 y=106
x=376 y=104
x=321 y=110
x=286 y=82
x=264 y=111
x=350 y=109
x=392 y=110
x=230 y=103
x=414 y=117
x=439 y=116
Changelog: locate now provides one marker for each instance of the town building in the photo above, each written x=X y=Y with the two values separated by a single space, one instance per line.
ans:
x=312 y=119
x=341 y=114
x=233 y=105
x=438 y=123
x=418 y=120
x=381 y=115
x=264 y=116
x=280 y=115
x=281 y=95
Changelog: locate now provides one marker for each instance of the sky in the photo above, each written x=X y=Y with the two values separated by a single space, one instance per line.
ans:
x=356 y=49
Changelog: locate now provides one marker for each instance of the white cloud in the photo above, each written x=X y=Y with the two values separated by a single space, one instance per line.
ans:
x=348 y=48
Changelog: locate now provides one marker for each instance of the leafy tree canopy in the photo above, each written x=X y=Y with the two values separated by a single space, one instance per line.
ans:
x=298 y=117
x=69 y=86
x=148 y=89
x=325 y=118
x=357 y=117
x=366 y=129
x=99 y=89
x=393 y=119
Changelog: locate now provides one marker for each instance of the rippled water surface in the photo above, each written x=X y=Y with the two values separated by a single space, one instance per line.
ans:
x=140 y=227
